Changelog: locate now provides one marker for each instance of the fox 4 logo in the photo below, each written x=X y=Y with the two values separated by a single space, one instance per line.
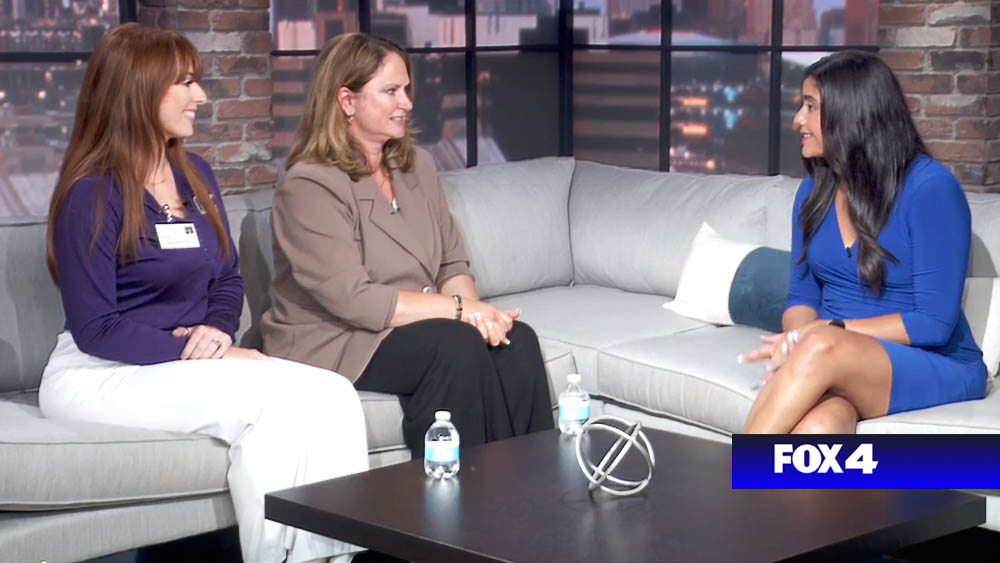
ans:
x=822 y=458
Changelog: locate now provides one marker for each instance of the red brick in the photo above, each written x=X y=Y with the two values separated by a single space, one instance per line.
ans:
x=958 y=60
x=969 y=151
x=193 y=19
x=229 y=177
x=255 y=3
x=257 y=42
x=974 y=37
x=257 y=130
x=262 y=174
x=205 y=151
x=993 y=104
x=958 y=15
x=901 y=15
x=239 y=64
x=992 y=174
x=985 y=128
x=968 y=174
x=204 y=111
x=993 y=83
x=992 y=150
x=903 y=60
x=208 y=4
x=926 y=83
x=258 y=87
x=240 y=109
x=229 y=131
x=971 y=83
x=217 y=88
x=955 y=105
x=224 y=20
x=935 y=128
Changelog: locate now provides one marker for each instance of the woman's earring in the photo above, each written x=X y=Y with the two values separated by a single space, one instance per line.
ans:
x=350 y=118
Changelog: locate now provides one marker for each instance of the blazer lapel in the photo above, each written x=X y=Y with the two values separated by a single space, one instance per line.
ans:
x=396 y=227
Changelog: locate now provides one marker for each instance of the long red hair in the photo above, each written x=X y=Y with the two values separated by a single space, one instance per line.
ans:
x=117 y=131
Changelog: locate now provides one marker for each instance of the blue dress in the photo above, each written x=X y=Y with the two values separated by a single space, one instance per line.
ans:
x=929 y=233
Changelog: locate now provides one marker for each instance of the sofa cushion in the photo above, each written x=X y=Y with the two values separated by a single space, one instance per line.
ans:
x=585 y=319
x=514 y=220
x=779 y=207
x=966 y=417
x=632 y=229
x=691 y=376
x=50 y=464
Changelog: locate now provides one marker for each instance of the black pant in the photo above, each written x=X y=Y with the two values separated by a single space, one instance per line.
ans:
x=492 y=393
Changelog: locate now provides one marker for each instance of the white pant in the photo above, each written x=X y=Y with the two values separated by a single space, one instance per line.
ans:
x=287 y=424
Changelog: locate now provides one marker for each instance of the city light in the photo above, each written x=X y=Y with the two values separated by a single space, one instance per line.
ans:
x=42 y=94
x=694 y=130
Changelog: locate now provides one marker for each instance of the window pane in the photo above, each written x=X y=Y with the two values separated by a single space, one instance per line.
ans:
x=793 y=67
x=308 y=24
x=37 y=101
x=830 y=22
x=636 y=22
x=516 y=22
x=518 y=106
x=721 y=22
x=67 y=25
x=616 y=99
x=291 y=78
x=439 y=107
x=420 y=23
x=718 y=112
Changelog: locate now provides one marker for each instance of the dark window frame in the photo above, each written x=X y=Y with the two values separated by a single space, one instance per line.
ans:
x=565 y=48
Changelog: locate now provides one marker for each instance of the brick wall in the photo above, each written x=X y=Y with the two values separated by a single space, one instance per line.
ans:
x=234 y=129
x=947 y=56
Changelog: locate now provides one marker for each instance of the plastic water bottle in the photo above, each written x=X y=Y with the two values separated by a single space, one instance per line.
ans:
x=441 y=447
x=574 y=406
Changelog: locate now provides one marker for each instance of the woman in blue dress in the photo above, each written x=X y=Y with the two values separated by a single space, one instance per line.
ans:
x=880 y=247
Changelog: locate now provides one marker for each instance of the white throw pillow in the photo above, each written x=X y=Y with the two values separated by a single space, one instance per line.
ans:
x=727 y=282
x=981 y=304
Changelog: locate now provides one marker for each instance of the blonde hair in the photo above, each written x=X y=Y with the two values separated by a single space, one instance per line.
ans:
x=117 y=130
x=350 y=61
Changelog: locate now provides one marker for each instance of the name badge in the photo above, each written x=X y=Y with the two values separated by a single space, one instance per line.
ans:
x=174 y=236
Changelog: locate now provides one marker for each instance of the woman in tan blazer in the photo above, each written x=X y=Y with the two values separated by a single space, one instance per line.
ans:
x=371 y=277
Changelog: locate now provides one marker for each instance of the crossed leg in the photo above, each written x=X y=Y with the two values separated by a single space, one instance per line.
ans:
x=829 y=373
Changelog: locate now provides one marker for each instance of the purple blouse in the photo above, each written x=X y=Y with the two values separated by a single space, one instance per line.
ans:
x=126 y=311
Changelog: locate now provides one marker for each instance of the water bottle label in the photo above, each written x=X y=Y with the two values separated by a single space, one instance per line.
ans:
x=441 y=452
x=575 y=410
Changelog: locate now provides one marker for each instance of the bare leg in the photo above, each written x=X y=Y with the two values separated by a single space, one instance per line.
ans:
x=833 y=415
x=827 y=360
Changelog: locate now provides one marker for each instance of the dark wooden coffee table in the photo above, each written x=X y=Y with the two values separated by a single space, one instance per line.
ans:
x=525 y=499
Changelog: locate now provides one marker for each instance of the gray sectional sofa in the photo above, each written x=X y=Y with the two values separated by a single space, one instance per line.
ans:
x=589 y=252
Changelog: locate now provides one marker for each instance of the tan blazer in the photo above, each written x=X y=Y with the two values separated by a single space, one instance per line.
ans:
x=341 y=255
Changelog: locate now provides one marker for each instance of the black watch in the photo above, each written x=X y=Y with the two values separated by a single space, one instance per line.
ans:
x=839 y=323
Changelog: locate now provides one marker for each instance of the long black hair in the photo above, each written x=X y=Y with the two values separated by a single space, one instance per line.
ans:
x=868 y=140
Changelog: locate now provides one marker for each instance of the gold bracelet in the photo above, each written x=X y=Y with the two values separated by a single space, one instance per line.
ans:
x=458 y=307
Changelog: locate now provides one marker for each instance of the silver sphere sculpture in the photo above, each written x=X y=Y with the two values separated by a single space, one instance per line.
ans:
x=601 y=475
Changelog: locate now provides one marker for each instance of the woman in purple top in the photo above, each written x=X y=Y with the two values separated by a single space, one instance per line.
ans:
x=139 y=245
x=880 y=246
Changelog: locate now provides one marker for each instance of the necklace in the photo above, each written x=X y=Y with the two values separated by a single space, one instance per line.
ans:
x=387 y=182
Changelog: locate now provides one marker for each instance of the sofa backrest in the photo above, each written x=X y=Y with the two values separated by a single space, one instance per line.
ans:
x=632 y=229
x=515 y=222
x=30 y=308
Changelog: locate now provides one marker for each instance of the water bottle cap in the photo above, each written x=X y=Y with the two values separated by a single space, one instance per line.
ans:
x=573 y=378
x=442 y=415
